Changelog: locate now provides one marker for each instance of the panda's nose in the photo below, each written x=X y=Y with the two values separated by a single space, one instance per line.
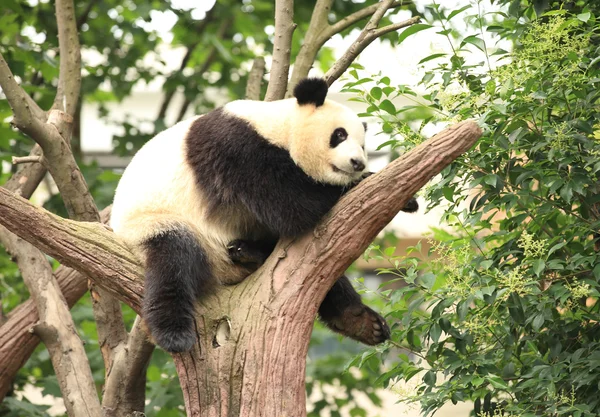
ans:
x=358 y=165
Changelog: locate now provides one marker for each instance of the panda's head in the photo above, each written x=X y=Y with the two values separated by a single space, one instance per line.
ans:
x=327 y=139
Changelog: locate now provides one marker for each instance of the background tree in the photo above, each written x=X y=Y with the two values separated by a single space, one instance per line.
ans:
x=47 y=76
x=511 y=320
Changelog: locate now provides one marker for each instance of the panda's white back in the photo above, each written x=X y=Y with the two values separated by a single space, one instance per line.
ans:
x=156 y=183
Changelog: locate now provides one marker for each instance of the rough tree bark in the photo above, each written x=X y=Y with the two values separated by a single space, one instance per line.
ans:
x=253 y=336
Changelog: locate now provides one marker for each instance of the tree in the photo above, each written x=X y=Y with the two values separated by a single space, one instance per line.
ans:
x=512 y=312
x=233 y=370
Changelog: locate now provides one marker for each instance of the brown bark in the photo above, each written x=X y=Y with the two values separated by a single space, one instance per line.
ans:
x=253 y=336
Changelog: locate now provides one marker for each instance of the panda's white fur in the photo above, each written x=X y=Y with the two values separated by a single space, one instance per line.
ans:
x=250 y=171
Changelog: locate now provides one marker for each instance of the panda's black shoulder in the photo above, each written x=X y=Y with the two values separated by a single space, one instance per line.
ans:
x=225 y=153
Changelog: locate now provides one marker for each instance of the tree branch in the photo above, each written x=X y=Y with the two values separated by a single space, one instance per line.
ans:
x=282 y=47
x=55 y=326
x=368 y=35
x=56 y=329
x=28 y=177
x=28 y=117
x=255 y=79
x=69 y=78
x=87 y=247
x=125 y=387
x=313 y=41
x=282 y=296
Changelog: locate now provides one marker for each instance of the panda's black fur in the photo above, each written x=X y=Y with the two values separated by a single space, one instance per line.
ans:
x=251 y=181
x=235 y=167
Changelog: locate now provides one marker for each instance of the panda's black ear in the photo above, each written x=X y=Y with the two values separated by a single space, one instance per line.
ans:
x=311 y=91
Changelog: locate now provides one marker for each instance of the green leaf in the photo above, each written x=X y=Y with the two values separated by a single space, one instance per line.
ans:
x=597 y=271
x=435 y=332
x=584 y=17
x=388 y=106
x=412 y=30
x=457 y=11
x=538 y=322
x=431 y=57
x=430 y=378
x=376 y=93
x=475 y=41
x=538 y=266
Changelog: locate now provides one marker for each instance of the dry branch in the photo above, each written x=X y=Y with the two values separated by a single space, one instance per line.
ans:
x=87 y=247
x=259 y=366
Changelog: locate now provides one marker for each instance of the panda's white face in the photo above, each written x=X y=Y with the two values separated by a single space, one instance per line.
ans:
x=328 y=143
x=347 y=155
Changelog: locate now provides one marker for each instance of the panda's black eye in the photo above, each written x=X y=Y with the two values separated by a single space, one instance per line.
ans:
x=338 y=136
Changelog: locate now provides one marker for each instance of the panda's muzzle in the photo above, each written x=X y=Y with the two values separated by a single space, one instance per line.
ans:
x=357 y=164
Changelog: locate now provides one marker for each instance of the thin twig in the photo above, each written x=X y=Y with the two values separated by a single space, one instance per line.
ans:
x=16 y=160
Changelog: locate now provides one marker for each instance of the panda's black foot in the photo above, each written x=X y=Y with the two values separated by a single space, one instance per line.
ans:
x=247 y=252
x=361 y=323
x=411 y=206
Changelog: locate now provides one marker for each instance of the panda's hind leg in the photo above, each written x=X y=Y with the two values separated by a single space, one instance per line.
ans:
x=343 y=311
x=177 y=272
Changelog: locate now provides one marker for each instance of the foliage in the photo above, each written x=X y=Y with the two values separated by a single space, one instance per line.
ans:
x=506 y=313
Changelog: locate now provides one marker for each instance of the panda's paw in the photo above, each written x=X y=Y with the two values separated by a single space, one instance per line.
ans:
x=361 y=323
x=411 y=206
x=245 y=252
x=176 y=339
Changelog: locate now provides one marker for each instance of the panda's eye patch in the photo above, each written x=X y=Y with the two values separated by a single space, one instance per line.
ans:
x=338 y=136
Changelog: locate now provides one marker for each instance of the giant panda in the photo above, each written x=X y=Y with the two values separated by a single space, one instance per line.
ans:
x=205 y=201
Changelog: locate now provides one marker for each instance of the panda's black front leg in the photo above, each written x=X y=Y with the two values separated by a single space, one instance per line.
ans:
x=343 y=311
x=411 y=205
